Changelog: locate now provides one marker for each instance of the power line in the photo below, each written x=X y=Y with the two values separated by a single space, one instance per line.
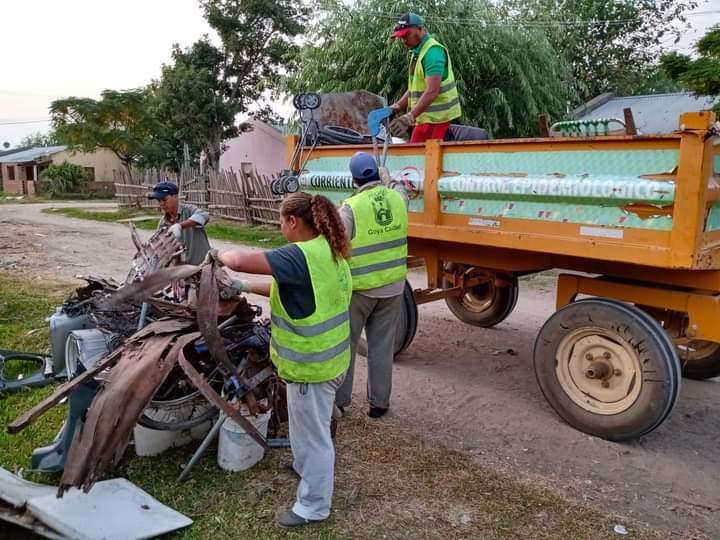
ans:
x=530 y=23
x=25 y=122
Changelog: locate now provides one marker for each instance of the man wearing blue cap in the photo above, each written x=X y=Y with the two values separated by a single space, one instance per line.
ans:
x=432 y=95
x=376 y=222
x=184 y=221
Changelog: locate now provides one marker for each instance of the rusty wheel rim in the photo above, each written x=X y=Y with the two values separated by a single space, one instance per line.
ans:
x=480 y=298
x=598 y=370
x=692 y=350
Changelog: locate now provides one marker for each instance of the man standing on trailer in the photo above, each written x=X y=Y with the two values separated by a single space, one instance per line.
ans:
x=432 y=95
x=376 y=222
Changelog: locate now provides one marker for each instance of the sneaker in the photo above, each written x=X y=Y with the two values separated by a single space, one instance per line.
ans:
x=376 y=412
x=290 y=519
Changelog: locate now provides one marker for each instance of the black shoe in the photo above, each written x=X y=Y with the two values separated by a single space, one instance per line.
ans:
x=377 y=412
x=290 y=519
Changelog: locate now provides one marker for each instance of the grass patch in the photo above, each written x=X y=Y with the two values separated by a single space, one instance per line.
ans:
x=14 y=198
x=216 y=229
x=24 y=304
x=389 y=483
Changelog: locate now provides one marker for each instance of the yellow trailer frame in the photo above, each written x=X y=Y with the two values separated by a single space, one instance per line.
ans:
x=670 y=273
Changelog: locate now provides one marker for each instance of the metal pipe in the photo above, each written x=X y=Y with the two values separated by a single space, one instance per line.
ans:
x=203 y=446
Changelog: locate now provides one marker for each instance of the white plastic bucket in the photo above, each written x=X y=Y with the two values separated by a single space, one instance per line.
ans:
x=152 y=442
x=237 y=451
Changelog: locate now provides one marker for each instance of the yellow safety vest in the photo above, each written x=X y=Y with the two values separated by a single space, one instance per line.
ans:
x=446 y=106
x=315 y=348
x=379 y=249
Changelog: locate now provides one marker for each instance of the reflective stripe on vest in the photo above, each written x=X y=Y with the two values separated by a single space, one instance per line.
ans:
x=446 y=106
x=379 y=248
x=315 y=348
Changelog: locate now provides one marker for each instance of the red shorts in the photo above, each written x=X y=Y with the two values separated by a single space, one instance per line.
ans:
x=426 y=132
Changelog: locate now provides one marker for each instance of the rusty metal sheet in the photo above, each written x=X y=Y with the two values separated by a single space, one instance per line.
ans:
x=207 y=313
x=132 y=383
x=142 y=290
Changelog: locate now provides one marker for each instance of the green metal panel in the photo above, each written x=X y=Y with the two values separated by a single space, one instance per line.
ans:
x=713 y=220
x=569 y=162
x=561 y=212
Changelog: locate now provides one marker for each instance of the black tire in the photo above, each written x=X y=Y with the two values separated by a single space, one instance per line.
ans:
x=628 y=329
x=407 y=324
x=485 y=305
x=178 y=425
x=699 y=359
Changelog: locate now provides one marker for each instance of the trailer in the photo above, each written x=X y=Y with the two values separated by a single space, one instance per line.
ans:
x=631 y=222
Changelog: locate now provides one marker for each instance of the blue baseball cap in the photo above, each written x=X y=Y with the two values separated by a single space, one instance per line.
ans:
x=363 y=168
x=162 y=190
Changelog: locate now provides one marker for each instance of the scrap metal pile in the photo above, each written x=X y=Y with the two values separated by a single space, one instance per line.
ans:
x=211 y=345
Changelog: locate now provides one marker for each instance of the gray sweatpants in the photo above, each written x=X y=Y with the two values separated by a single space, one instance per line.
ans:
x=378 y=316
x=310 y=407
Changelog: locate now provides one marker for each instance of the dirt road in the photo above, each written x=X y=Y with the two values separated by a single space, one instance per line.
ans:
x=460 y=385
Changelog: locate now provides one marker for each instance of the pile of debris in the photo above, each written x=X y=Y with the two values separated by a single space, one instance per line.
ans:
x=193 y=337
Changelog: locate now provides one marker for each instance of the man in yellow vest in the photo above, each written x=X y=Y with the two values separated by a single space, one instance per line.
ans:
x=376 y=222
x=432 y=95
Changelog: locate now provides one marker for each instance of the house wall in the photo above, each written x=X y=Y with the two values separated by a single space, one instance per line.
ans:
x=264 y=147
x=12 y=186
x=102 y=160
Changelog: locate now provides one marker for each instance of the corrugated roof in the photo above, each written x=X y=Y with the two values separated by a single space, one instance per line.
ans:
x=654 y=114
x=32 y=154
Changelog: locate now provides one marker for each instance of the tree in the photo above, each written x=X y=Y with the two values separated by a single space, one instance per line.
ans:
x=506 y=78
x=206 y=87
x=39 y=139
x=192 y=100
x=120 y=121
x=701 y=75
x=612 y=45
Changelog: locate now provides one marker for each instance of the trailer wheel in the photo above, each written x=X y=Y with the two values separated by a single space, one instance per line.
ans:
x=484 y=305
x=407 y=323
x=607 y=368
x=699 y=359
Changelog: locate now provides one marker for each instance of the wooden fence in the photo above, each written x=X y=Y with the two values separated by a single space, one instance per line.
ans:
x=236 y=196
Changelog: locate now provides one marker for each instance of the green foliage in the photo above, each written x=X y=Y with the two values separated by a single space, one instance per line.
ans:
x=205 y=87
x=606 y=56
x=120 y=121
x=39 y=139
x=64 y=178
x=701 y=75
x=506 y=77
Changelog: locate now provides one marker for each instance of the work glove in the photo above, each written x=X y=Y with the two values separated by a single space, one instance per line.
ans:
x=229 y=286
x=384 y=175
x=400 y=126
x=213 y=256
x=176 y=230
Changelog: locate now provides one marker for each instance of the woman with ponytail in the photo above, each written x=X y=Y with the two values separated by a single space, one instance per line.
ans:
x=309 y=302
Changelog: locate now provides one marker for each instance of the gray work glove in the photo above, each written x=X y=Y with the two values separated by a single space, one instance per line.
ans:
x=400 y=126
x=384 y=175
x=176 y=230
x=229 y=286
x=213 y=255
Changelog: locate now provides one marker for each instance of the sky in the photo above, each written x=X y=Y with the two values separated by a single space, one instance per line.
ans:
x=51 y=49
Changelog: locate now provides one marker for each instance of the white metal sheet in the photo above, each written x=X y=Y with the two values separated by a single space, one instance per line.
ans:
x=112 y=510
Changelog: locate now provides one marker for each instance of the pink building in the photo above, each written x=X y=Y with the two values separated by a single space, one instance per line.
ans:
x=263 y=148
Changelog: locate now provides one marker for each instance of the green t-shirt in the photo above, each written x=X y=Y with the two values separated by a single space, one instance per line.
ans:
x=434 y=61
